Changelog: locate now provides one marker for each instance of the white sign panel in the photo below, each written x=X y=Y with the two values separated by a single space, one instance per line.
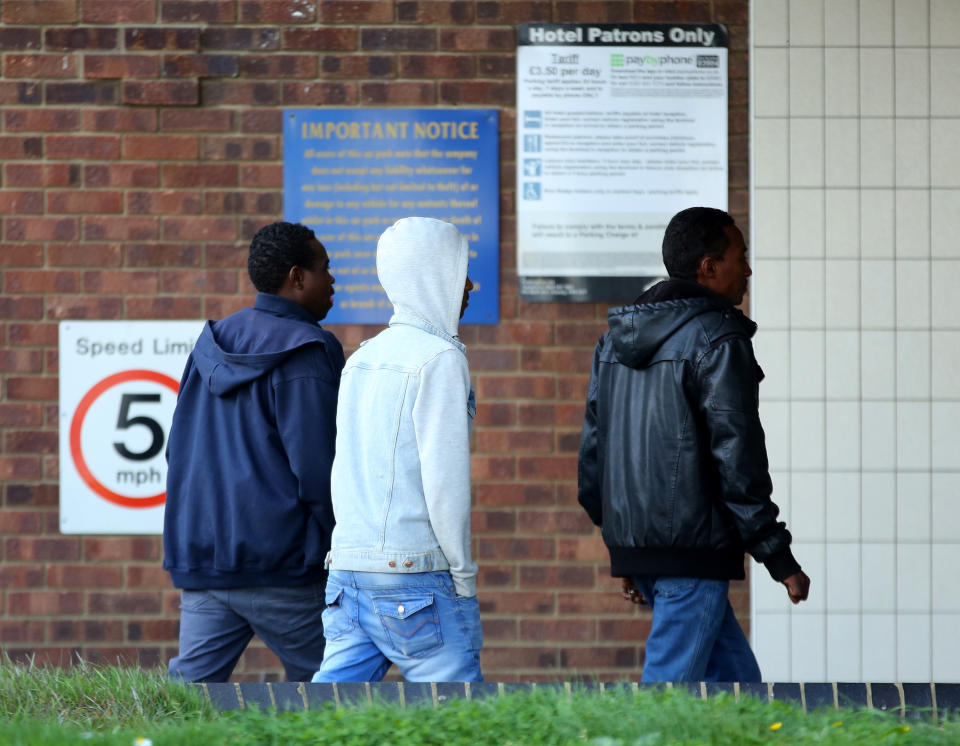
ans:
x=619 y=127
x=118 y=388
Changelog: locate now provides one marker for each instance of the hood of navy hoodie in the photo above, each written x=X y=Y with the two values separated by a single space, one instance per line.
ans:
x=251 y=343
x=422 y=265
x=638 y=330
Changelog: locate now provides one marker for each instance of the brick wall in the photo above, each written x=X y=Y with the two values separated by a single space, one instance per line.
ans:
x=141 y=148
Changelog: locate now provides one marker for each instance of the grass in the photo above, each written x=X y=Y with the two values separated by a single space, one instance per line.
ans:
x=114 y=706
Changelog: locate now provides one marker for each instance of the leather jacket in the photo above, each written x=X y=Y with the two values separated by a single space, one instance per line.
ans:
x=672 y=463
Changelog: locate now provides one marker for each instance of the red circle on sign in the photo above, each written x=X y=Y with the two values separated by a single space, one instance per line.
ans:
x=77 y=453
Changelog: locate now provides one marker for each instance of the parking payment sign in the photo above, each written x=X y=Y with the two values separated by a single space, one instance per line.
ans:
x=118 y=388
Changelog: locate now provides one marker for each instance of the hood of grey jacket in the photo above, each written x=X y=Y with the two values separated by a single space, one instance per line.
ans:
x=422 y=266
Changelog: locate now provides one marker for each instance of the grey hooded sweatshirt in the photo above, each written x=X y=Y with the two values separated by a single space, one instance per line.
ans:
x=401 y=474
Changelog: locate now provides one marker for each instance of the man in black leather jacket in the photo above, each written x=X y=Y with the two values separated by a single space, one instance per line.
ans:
x=672 y=463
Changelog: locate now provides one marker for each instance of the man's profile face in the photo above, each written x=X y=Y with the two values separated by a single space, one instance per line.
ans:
x=317 y=293
x=728 y=276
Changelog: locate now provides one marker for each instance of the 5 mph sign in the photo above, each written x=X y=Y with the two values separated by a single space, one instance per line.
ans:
x=118 y=389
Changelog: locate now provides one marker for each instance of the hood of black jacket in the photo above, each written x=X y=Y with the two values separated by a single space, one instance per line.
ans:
x=637 y=331
x=266 y=343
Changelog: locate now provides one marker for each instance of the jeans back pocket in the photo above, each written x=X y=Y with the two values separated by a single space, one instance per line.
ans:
x=411 y=622
x=336 y=621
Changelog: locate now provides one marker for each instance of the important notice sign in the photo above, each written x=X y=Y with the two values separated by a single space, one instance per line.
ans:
x=618 y=128
x=351 y=173
x=118 y=388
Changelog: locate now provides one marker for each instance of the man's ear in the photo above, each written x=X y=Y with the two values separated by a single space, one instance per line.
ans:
x=295 y=277
x=707 y=268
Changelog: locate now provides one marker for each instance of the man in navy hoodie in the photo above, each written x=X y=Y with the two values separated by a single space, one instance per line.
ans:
x=248 y=514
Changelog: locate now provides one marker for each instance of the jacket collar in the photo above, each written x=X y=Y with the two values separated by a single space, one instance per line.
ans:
x=408 y=319
x=283 y=307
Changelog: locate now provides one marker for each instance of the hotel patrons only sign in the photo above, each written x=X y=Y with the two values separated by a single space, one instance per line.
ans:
x=619 y=127
x=118 y=388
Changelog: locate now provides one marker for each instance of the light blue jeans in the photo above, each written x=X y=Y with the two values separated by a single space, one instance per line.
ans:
x=415 y=621
x=216 y=625
x=695 y=635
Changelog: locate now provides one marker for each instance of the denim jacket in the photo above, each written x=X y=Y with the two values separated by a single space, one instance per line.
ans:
x=401 y=474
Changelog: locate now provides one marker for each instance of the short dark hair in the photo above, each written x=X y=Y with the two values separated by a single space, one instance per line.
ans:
x=691 y=235
x=274 y=250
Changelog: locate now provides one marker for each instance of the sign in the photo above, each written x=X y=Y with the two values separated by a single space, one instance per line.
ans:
x=351 y=173
x=619 y=127
x=118 y=388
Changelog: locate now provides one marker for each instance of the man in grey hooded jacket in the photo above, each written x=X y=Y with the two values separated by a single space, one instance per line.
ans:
x=402 y=584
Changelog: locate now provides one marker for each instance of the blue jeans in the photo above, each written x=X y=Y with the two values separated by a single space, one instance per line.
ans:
x=216 y=625
x=695 y=635
x=415 y=621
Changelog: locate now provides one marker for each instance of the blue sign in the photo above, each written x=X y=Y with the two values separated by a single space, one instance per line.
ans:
x=351 y=173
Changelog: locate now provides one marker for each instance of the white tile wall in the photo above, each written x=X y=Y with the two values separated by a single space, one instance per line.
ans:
x=856 y=212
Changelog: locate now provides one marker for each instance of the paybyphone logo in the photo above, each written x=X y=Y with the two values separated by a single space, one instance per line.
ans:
x=616 y=60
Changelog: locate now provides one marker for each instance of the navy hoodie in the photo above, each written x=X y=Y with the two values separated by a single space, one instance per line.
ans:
x=250 y=450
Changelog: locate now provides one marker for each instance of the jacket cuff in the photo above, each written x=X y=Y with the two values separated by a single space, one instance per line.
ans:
x=782 y=565
x=466 y=587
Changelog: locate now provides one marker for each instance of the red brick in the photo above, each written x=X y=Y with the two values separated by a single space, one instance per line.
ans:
x=80 y=37
x=20 y=92
x=84 y=255
x=123 y=603
x=20 y=203
x=37 y=603
x=147 y=576
x=495 y=657
x=477 y=92
x=21 y=147
x=40 y=66
x=20 y=38
x=92 y=630
x=120 y=120
x=592 y=11
x=567 y=630
x=437 y=66
x=248 y=93
x=91 y=147
x=21 y=521
x=320 y=39
x=164 y=307
x=198 y=11
x=120 y=282
x=84 y=576
x=497 y=66
x=514 y=441
x=162 y=255
x=592 y=658
x=160 y=147
x=200 y=65
x=40 y=229
x=120 y=228
x=166 y=202
x=263 y=176
x=42 y=174
x=278 y=66
x=31 y=441
x=120 y=66
x=516 y=548
x=84 y=202
x=199 y=229
x=158 y=38
x=319 y=94
x=32 y=334
x=264 y=122
x=20 y=361
x=516 y=602
x=83 y=307
x=261 y=148
x=122 y=175
x=119 y=11
x=478 y=39
x=625 y=629
x=194 y=281
x=20 y=415
x=243 y=203
x=492 y=359
x=515 y=387
x=33 y=494
x=112 y=548
x=99 y=93
x=583 y=549
x=32 y=388
x=158 y=630
x=21 y=576
x=40 y=11
x=254 y=38
x=498 y=629
x=429 y=11
x=278 y=11
x=48 y=120
x=516 y=11
x=185 y=120
x=161 y=92
x=398 y=93
x=39 y=548
x=353 y=66
x=400 y=38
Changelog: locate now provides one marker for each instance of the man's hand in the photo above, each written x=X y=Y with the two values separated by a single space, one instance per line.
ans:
x=631 y=593
x=798 y=587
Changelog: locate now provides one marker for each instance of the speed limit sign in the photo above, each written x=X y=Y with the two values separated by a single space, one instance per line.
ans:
x=118 y=389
